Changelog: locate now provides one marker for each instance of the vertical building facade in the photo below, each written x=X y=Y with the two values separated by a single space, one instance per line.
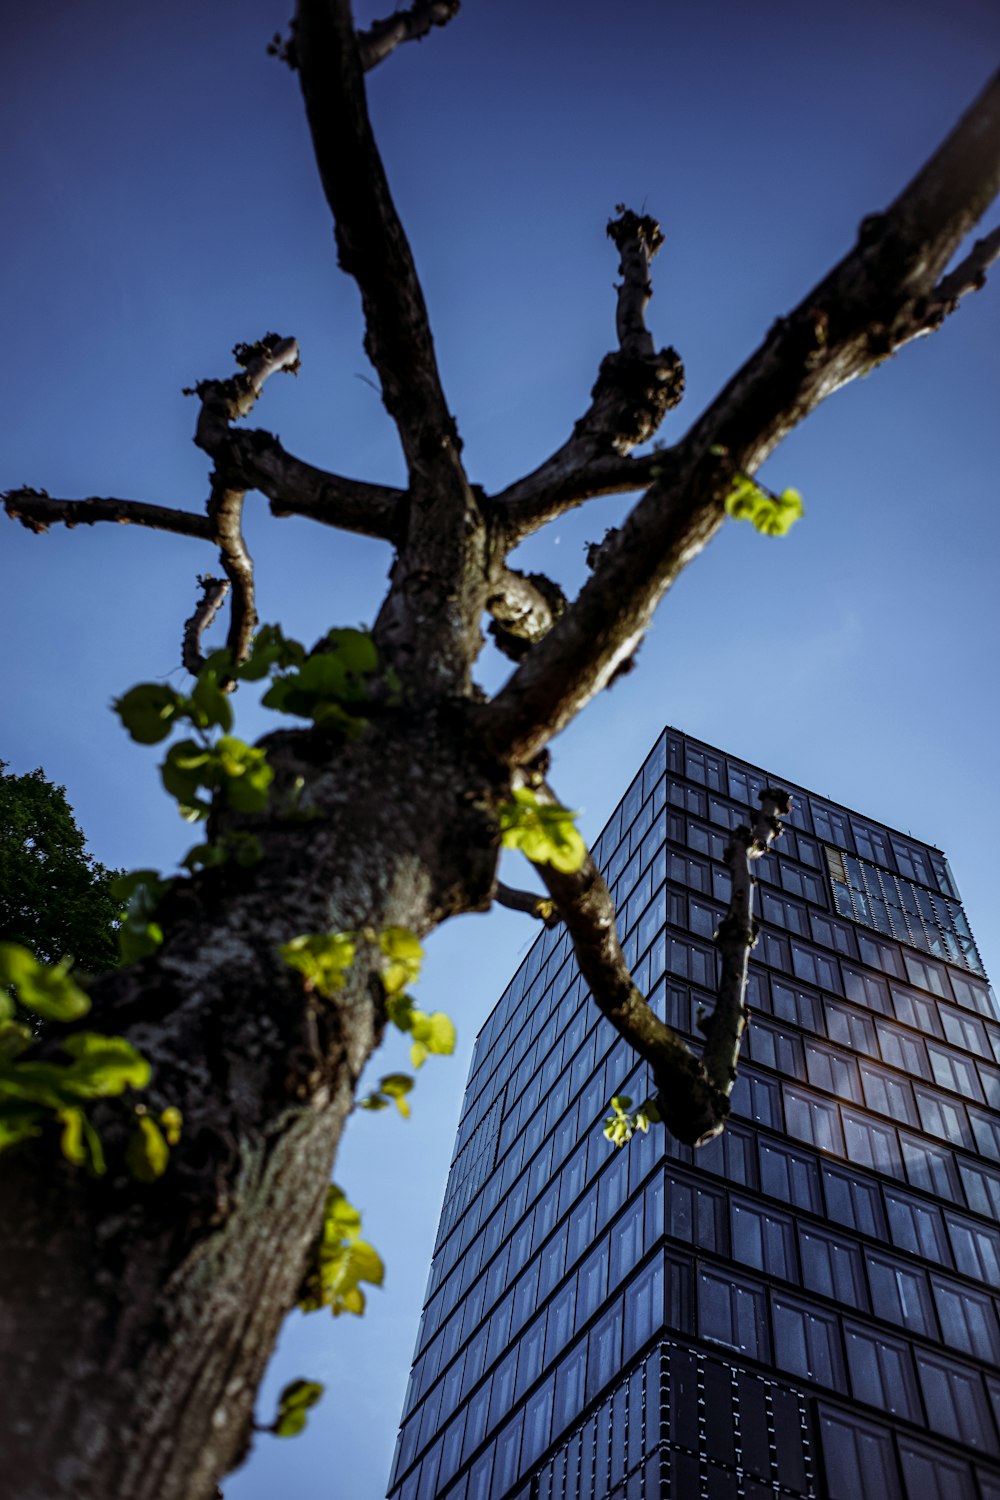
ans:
x=806 y=1307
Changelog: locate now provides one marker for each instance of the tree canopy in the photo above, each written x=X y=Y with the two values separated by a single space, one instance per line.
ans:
x=55 y=898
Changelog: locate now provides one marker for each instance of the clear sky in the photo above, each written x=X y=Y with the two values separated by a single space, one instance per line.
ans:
x=160 y=203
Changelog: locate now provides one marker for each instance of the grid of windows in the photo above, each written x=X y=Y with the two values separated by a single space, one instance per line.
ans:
x=808 y=1305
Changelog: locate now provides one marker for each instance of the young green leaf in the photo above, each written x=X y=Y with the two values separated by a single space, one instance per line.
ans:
x=545 y=833
x=147 y=1154
x=770 y=514
x=45 y=989
x=404 y=954
x=294 y=1403
x=321 y=959
x=149 y=710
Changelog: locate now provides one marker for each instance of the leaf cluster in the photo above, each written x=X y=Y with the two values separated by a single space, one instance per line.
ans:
x=771 y=514
x=294 y=1404
x=623 y=1122
x=35 y=1090
x=340 y=1260
x=545 y=833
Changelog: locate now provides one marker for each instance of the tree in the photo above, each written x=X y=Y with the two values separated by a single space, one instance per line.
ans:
x=54 y=897
x=396 y=828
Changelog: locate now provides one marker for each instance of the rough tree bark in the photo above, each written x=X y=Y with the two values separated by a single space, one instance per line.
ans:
x=158 y=1305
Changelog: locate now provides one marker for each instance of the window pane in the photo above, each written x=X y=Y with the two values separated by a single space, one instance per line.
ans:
x=881 y=1373
x=956 y=1402
x=858 y=1458
x=807 y=1342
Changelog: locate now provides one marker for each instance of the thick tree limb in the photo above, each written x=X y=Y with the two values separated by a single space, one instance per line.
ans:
x=381 y=38
x=524 y=607
x=636 y=386
x=428 y=627
x=213 y=594
x=371 y=242
x=295 y=488
x=861 y=312
x=529 y=902
x=38 y=511
x=692 y=1092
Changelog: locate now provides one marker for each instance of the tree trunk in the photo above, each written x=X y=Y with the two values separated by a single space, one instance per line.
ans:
x=136 y=1320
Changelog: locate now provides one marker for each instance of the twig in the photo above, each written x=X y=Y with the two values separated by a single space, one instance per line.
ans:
x=636 y=387
x=527 y=901
x=214 y=591
x=38 y=511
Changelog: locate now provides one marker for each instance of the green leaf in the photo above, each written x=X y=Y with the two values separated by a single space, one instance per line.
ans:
x=15 y=1038
x=172 y=1120
x=79 y=1142
x=770 y=514
x=104 y=1065
x=270 y=649
x=290 y=1423
x=17 y=1123
x=45 y=989
x=322 y=959
x=211 y=706
x=147 y=1154
x=244 y=773
x=184 y=773
x=545 y=833
x=404 y=954
x=431 y=1034
x=340 y=1260
x=396 y=1086
x=148 y=711
x=300 y=1393
x=294 y=1403
x=340 y=1219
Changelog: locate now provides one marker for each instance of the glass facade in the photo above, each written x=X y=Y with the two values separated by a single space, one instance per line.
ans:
x=808 y=1305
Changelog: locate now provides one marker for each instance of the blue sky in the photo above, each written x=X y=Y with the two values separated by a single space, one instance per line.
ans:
x=161 y=204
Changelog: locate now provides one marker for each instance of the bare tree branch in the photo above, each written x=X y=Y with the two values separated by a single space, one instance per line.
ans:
x=735 y=939
x=968 y=276
x=371 y=242
x=692 y=1092
x=428 y=626
x=524 y=607
x=636 y=386
x=382 y=38
x=295 y=488
x=38 y=511
x=527 y=901
x=213 y=594
x=860 y=313
x=225 y=510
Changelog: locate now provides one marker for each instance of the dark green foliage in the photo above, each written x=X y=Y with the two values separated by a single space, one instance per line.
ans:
x=54 y=897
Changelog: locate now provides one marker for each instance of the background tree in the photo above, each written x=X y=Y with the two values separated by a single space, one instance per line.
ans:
x=199 y=994
x=55 y=898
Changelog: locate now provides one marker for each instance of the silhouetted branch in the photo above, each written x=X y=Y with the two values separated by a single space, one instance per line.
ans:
x=38 y=511
x=636 y=386
x=692 y=1092
x=735 y=940
x=383 y=37
x=295 y=488
x=371 y=242
x=213 y=594
x=528 y=902
x=861 y=312
x=968 y=276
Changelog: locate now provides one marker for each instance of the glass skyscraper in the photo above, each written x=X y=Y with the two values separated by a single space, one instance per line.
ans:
x=805 y=1307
